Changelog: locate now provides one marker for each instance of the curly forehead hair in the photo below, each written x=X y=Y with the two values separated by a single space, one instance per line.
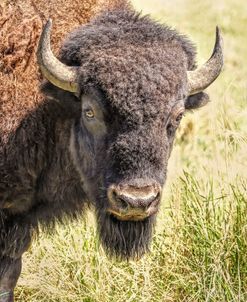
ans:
x=132 y=58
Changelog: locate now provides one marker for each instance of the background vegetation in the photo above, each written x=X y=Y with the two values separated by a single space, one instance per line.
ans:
x=199 y=251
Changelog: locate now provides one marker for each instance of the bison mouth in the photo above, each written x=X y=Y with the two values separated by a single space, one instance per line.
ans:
x=125 y=239
x=133 y=214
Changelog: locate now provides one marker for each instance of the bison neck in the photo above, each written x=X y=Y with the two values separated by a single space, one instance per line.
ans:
x=38 y=178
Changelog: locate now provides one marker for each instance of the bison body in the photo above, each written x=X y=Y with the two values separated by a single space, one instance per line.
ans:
x=103 y=139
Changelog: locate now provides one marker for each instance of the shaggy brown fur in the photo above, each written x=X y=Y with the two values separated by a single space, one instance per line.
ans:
x=20 y=25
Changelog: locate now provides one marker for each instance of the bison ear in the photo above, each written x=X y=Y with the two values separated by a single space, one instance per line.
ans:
x=196 y=101
x=58 y=94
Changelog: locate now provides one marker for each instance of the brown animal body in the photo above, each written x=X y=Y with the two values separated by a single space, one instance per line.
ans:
x=103 y=133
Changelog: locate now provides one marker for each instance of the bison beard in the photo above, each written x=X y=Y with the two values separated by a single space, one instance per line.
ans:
x=124 y=240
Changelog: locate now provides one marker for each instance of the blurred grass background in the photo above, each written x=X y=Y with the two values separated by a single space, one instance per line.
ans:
x=199 y=250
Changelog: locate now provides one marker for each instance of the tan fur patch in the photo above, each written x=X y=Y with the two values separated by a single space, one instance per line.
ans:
x=20 y=26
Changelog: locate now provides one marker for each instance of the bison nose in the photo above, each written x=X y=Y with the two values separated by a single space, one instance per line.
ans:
x=132 y=202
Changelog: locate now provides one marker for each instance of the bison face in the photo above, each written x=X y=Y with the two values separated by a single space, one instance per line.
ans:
x=122 y=160
x=134 y=80
x=123 y=157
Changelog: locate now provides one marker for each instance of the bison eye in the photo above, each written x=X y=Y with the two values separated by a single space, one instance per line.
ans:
x=170 y=129
x=174 y=122
x=89 y=113
x=179 y=117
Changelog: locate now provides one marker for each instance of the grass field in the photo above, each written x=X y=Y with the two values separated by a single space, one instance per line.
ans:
x=199 y=250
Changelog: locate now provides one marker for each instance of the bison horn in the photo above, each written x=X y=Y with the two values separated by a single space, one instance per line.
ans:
x=56 y=72
x=204 y=75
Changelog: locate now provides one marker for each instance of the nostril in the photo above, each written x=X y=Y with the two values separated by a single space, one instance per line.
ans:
x=119 y=202
x=154 y=199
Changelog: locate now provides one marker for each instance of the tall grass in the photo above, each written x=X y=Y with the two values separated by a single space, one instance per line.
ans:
x=199 y=250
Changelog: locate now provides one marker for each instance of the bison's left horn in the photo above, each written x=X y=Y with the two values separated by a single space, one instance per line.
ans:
x=203 y=76
x=56 y=72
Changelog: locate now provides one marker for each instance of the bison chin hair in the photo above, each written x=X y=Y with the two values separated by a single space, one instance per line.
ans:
x=124 y=240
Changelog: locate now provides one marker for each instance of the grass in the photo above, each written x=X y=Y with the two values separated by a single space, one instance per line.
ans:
x=200 y=245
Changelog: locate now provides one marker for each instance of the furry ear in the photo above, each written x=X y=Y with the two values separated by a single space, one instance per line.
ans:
x=196 y=101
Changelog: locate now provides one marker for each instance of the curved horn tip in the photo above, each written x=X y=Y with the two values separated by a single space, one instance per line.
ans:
x=48 y=23
x=44 y=37
x=217 y=30
x=218 y=33
x=203 y=76
x=218 y=40
x=47 y=28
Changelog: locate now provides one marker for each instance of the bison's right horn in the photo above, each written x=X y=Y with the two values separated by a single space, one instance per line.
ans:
x=56 y=72
x=204 y=75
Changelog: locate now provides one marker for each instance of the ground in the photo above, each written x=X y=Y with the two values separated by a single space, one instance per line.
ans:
x=200 y=245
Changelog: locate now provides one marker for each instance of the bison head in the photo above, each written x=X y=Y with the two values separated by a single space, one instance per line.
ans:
x=134 y=80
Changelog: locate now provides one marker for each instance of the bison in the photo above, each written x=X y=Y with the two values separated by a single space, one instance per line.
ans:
x=103 y=135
